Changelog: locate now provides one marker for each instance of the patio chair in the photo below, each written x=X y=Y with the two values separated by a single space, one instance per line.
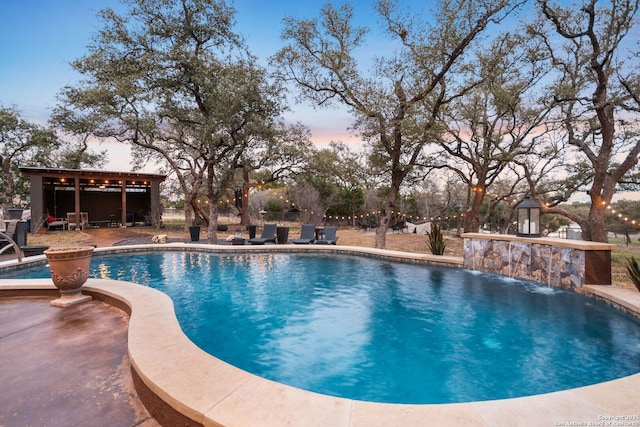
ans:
x=307 y=235
x=10 y=229
x=72 y=224
x=400 y=226
x=53 y=222
x=366 y=224
x=268 y=235
x=330 y=236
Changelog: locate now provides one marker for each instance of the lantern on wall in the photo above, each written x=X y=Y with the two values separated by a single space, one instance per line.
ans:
x=528 y=217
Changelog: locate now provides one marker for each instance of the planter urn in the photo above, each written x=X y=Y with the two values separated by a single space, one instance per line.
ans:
x=69 y=271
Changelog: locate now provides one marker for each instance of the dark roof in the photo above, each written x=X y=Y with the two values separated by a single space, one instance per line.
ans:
x=90 y=173
x=528 y=202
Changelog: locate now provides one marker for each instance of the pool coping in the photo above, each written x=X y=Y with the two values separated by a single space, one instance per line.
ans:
x=216 y=393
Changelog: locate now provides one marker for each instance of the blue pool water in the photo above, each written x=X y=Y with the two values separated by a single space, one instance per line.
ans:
x=382 y=331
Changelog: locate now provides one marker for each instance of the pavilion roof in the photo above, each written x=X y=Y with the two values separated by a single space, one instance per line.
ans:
x=90 y=173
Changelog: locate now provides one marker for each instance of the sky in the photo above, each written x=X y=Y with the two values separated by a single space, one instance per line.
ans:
x=40 y=38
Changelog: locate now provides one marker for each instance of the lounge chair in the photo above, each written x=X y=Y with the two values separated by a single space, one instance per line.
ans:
x=268 y=235
x=307 y=235
x=330 y=237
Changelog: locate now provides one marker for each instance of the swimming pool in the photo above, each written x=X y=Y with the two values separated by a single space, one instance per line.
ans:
x=468 y=349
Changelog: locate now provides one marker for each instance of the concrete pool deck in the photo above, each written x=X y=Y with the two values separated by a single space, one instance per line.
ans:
x=167 y=367
x=66 y=367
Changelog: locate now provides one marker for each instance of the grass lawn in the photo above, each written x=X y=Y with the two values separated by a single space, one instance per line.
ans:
x=619 y=260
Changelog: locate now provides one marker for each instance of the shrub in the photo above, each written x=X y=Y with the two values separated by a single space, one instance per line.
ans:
x=436 y=240
x=273 y=205
x=633 y=271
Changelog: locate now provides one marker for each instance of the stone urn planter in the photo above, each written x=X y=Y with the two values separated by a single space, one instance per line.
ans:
x=69 y=271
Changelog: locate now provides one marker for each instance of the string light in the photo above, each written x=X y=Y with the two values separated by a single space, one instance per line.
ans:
x=620 y=216
x=496 y=197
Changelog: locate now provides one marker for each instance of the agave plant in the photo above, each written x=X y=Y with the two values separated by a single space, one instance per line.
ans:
x=633 y=271
x=436 y=240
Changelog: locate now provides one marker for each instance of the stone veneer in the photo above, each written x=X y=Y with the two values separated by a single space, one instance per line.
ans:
x=567 y=264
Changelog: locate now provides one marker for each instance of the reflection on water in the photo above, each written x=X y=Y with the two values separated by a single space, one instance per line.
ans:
x=375 y=330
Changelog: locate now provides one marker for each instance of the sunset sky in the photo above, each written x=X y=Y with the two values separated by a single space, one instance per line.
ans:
x=41 y=38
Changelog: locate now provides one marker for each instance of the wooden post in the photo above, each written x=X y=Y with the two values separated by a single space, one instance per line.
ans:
x=123 y=216
x=77 y=201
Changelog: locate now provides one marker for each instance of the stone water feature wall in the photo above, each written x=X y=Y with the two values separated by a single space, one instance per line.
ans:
x=567 y=264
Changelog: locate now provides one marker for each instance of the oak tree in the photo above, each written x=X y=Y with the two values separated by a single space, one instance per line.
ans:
x=172 y=78
x=596 y=92
x=396 y=103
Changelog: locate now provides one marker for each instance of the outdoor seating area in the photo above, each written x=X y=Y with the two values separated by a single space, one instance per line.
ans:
x=328 y=236
x=100 y=198
x=54 y=223
x=75 y=224
x=307 y=235
x=400 y=226
x=366 y=224
x=16 y=231
x=268 y=235
x=13 y=239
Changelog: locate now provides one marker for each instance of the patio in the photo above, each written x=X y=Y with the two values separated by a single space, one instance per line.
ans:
x=66 y=367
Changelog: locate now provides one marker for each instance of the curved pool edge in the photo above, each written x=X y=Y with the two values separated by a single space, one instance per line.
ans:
x=212 y=393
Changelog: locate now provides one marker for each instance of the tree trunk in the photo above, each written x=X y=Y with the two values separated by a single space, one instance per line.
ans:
x=188 y=215
x=472 y=217
x=381 y=231
x=245 y=219
x=212 y=229
x=601 y=193
x=354 y=219
x=596 y=230
x=385 y=219
x=244 y=198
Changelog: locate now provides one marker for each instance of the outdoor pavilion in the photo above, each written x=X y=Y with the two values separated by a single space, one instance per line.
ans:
x=109 y=198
